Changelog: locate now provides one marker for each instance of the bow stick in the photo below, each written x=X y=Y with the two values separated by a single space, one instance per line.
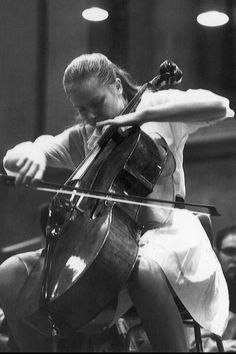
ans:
x=109 y=196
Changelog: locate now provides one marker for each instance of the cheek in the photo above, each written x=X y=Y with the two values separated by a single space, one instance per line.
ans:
x=118 y=105
x=112 y=108
x=224 y=263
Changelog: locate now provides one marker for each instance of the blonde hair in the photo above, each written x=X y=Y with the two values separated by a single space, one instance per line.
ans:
x=97 y=65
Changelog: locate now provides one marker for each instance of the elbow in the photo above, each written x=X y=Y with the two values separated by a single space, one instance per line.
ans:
x=222 y=107
x=217 y=110
x=222 y=110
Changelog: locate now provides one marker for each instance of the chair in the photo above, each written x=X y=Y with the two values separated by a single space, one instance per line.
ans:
x=190 y=322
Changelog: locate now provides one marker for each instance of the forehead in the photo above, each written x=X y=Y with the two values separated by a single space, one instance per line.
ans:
x=229 y=241
x=86 y=90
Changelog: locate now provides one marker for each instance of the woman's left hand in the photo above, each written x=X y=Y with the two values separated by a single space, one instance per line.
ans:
x=135 y=118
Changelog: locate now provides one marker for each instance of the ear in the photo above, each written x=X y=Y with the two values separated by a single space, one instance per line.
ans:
x=119 y=86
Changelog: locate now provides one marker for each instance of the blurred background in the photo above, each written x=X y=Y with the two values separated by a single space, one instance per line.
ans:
x=40 y=37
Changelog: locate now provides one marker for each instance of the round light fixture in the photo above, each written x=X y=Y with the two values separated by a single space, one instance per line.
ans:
x=95 y=14
x=212 y=18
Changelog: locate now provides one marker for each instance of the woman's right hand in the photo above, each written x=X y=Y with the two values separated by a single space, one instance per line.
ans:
x=27 y=162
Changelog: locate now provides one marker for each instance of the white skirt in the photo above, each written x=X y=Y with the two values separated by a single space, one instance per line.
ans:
x=182 y=249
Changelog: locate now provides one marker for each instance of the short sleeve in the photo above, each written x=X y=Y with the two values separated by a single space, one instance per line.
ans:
x=175 y=96
x=198 y=94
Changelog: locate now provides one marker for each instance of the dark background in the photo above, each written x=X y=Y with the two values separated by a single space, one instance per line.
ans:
x=39 y=38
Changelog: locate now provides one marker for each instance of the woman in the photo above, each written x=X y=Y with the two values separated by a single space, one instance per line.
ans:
x=175 y=254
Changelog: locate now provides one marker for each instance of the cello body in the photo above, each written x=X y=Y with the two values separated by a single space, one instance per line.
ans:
x=93 y=244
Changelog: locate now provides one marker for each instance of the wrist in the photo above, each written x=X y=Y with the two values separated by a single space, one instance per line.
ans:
x=143 y=116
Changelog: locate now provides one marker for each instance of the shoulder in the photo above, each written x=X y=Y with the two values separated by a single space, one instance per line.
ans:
x=172 y=93
x=162 y=96
x=75 y=134
x=69 y=132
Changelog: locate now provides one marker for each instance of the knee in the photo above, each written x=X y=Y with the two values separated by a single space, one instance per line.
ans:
x=147 y=271
x=12 y=277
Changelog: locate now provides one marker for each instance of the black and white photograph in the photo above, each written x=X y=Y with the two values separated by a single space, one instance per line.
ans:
x=118 y=176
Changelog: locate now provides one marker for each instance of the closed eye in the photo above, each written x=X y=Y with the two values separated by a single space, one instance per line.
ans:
x=96 y=104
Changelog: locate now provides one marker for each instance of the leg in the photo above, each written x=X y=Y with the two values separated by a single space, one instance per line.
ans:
x=13 y=274
x=155 y=305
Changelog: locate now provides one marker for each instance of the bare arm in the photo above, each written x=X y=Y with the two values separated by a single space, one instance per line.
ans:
x=179 y=106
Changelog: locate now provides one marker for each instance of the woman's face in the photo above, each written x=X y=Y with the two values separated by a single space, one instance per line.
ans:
x=96 y=102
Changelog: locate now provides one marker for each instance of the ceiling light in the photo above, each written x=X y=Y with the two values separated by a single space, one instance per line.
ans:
x=212 y=18
x=95 y=14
